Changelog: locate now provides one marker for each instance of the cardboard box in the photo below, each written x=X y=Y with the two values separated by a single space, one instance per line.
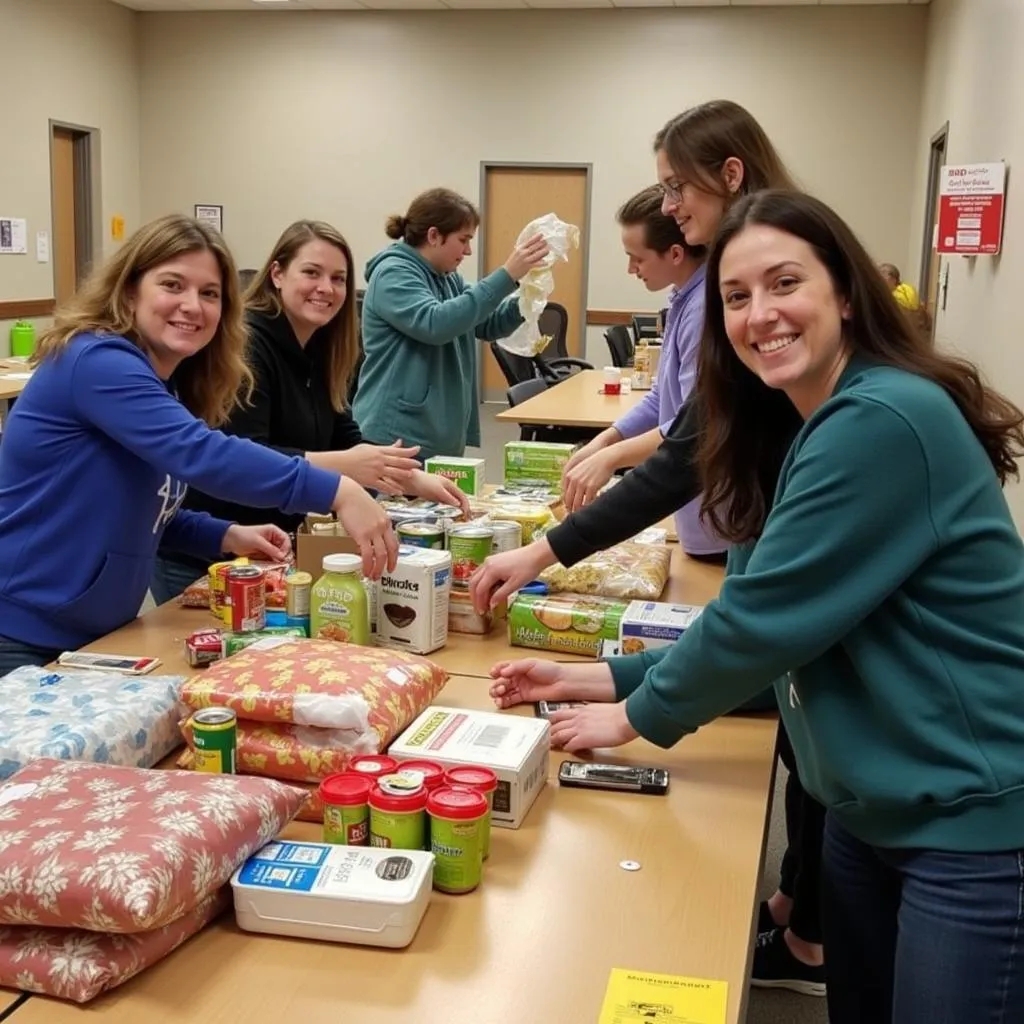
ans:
x=468 y=474
x=412 y=601
x=513 y=746
x=646 y=625
x=311 y=546
x=536 y=462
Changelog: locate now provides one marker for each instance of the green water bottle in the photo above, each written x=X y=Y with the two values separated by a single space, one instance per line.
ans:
x=23 y=339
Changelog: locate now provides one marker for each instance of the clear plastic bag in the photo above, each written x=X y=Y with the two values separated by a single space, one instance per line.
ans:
x=629 y=571
x=539 y=283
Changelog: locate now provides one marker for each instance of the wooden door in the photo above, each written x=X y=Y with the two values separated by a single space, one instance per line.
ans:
x=513 y=196
x=65 y=264
x=931 y=265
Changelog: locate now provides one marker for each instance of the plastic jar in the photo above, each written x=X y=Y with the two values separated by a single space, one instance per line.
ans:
x=457 y=818
x=482 y=780
x=345 y=797
x=398 y=813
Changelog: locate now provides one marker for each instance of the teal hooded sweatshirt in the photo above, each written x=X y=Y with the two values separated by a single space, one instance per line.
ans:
x=418 y=381
x=885 y=600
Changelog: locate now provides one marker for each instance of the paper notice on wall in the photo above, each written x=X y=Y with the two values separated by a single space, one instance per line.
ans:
x=13 y=236
x=42 y=247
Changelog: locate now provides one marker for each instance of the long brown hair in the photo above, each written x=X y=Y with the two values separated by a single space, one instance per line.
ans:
x=698 y=142
x=748 y=426
x=439 y=208
x=210 y=382
x=343 y=334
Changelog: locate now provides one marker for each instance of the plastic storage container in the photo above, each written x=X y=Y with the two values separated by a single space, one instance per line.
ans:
x=351 y=894
x=23 y=338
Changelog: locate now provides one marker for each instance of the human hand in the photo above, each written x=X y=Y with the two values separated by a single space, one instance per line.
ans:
x=366 y=522
x=584 y=481
x=526 y=256
x=528 y=680
x=591 y=727
x=504 y=573
x=438 y=488
x=267 y=542
x=386 y=468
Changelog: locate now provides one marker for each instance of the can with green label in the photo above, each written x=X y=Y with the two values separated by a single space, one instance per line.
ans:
x=482 y=780
x=421 y=534
x=345 y=797
x=470 y=547
x=214 y=739
x=398 y=812
x=457 y=819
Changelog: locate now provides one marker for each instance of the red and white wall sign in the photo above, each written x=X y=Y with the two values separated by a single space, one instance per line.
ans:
x=971 y=199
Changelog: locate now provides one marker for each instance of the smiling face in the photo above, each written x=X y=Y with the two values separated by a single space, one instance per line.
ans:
x=446 y=252
x=697 y=211
x=783 y=315
x=177 y=308
x=657 y=270
x=312 y=287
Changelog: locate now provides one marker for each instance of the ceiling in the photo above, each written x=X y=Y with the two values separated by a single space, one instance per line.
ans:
x=359 y=5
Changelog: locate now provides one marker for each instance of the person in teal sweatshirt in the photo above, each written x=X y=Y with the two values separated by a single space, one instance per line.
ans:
x=421 y=322
x=880 y=588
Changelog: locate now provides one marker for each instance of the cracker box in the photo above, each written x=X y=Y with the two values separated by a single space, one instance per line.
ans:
x=646 y=625
x=468 y=474
x=537 y=463
x=513 y=746
x=412 y=601
x=566 y=623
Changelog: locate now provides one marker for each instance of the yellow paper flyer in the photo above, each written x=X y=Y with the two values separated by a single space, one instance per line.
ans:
x=634 y=997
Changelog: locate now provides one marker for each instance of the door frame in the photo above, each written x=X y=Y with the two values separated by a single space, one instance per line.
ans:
x=931 y=193
x=481 y=247
x=88 y=195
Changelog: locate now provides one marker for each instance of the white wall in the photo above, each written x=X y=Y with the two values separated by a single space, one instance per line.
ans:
x=77 y=63
x=974 y=79
x=344 y=116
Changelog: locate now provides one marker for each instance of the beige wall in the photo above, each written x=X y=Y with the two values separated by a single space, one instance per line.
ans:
x=77 y=63
x=279 y=115
x=974 y=79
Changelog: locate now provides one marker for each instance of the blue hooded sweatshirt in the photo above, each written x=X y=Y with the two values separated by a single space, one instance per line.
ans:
x=93 y=467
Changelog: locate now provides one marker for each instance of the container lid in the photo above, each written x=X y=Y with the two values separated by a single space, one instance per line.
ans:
x=407 y=800
x=373 y=765
x=461 y=804
x=472 y=776
x=346 y=789
x=429 y=773
x=342 y=563
x=298 y=578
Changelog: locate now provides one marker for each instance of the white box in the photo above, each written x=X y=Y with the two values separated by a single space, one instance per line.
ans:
x=360 y=894
x=412 y=601
x=514 y=747
x=646 y=625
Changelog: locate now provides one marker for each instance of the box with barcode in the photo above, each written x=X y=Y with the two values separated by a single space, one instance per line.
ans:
x=512 y=746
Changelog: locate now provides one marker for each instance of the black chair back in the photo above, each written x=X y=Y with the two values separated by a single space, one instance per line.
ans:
x=519 y=393
x=620 y=345
x=554 y=321
x=515 y=369
x=645 y=326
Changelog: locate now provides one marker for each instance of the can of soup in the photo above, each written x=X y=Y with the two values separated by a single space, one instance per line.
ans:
x=214 y=739
x=421 y=534
x=297 y=588
x=507 y=536
x=470 y=546
x=247 y=593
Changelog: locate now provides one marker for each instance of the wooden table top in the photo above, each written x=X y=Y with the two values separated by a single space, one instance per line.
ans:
x=11 y=384
x=576 y=401
x=537 y=941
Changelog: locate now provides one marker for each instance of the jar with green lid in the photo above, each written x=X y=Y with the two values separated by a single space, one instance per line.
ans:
x=338 y=607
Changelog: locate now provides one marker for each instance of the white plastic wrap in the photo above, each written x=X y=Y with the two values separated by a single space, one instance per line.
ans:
x=539 y=283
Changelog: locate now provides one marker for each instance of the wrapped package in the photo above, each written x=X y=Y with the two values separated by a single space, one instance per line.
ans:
x=87 y=716
x=635 y=572
x=110 y=849
x=566 y=623
x=538 y=284
x=371 y=692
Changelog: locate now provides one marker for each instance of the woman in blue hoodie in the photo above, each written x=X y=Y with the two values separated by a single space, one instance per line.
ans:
x=116 y=421
x=421 y=322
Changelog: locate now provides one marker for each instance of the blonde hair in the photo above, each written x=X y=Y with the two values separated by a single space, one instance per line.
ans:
x=209 y=383
x=343 y=338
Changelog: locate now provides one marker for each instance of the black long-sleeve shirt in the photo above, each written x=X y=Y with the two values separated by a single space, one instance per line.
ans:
x=666 y=481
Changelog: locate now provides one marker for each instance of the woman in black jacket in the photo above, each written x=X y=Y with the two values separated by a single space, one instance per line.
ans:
x=303 y=347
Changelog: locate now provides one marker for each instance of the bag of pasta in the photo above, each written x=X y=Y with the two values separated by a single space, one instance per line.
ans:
x=630 y=571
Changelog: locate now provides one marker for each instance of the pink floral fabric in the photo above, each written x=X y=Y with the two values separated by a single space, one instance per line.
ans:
x=79 y=965
x=110 y=849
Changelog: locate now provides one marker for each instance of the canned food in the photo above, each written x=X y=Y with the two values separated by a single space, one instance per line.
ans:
x=421 y=534
x=297 y=587
x=247 y=591
x=214 y=738
x=203 y=647
x=470 y=546
x=219 y=602
x=507 y=536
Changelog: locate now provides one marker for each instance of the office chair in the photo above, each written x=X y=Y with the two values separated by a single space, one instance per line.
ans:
x=620 y=345
x=645 y=325
x=554 y=321
x=245 y=278
x=516 y=368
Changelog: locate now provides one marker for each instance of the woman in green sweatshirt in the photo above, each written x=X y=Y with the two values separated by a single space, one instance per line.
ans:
x=881 y=588
x=421 y=322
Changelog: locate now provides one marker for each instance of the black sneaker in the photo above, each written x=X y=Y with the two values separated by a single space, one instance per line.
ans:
x=765 y=921
x=776 y=967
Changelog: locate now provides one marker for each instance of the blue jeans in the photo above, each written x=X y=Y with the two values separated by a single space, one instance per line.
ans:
x=172 y=575
x=922 y=936
x=14 y=654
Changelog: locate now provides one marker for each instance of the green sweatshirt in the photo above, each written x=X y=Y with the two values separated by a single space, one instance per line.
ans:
x=885 y=599
x=418 y=381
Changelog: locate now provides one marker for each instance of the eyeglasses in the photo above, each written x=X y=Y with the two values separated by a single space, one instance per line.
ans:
x=674 y=192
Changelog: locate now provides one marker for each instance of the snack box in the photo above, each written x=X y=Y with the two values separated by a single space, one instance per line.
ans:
x=646 y=625
x=365 y=895
x=412 y=602
x=537 y=463
x=468 y=474
x=513 y=746
x=567 y=623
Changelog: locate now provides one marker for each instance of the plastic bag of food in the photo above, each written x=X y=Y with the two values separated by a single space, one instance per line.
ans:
x=567 y=623
x=539 y=283
x=635 y=572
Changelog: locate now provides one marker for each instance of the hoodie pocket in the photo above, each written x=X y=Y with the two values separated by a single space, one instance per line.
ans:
x=113 y=597
x=409 y=406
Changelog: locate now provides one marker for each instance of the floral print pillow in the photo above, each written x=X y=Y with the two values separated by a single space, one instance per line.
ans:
x=111 y=849
x=79 y=965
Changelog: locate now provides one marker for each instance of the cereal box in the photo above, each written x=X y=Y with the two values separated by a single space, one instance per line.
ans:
x=412 y=601
x=646 y=625
x=567 y=623
x=539 y=463
x=468 y=474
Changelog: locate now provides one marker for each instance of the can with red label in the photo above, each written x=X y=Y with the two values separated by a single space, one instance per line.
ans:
x=247 y=594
